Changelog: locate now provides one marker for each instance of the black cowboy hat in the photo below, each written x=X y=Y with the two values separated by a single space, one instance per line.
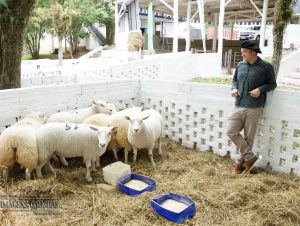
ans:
x=251 y=44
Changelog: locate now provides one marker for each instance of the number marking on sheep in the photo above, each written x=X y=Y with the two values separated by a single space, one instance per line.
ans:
x=69 y=126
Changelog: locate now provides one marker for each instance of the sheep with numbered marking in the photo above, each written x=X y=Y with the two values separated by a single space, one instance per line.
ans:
x=18 y=144
x=145 y=129
x=72 y=140
x=79 y=115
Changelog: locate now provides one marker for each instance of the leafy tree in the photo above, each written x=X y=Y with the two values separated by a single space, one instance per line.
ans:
x=107 y=17
x=3 y=3
x=61 y=24
x=14 y=16
x=283 y=13
x=83 y=13
x=39 y=23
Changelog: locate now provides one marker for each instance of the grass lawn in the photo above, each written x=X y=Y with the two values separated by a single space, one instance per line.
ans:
x=217 y=80
x=54 y=56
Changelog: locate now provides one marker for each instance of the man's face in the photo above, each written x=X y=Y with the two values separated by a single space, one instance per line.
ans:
x=248 y=54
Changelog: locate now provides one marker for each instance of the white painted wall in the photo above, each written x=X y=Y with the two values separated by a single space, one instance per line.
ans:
x=90 y=42
x=289 y=65
x=168 y=30
x=194 y=114
x=50 y=99
x=124 y=27
x=180 y=66
x=144 y=23
x=45 y=44
x=121 y=41
x=292 y=35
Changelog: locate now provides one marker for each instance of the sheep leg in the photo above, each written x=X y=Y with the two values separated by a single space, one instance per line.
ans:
x=94 y=163
x=38 y=171
x=150 y=152
x=50 y=168
x=27 y=174
x=63 y=161
x=5 y=174
x=88 y=170
x=159 y=146
x=134 y=154
x=98 y=162
x=115 y=150
x=55 y=158
x=126 y=155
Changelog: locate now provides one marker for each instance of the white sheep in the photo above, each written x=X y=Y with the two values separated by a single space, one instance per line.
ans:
x=144 y=130
x=18 y=144
x=79 y=115
x=119 y=139
x=72 y=140
x=102 y=120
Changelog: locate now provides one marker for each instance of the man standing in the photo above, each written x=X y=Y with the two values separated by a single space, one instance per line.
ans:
x=253 y=78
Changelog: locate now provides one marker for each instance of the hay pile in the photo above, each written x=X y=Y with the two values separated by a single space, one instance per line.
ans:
x=135 y=41
x=221 y=197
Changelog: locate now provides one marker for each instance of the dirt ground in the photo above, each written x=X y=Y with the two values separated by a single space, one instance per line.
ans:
x=222 y=198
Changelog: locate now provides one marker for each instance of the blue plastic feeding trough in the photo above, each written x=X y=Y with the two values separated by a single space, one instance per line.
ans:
x=135 y=184
x=173 y=206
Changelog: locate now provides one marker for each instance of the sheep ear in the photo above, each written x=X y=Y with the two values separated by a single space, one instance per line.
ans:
x=41 y=114
x=94 y=102
x=145 y=117
x=142 y=108
x=114 y=129
x=127 y=118
x=93 y=128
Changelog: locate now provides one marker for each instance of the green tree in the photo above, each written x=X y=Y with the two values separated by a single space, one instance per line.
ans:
x=83 y=13
x=13 y=20
x=3 y=3
x=39 y=23
x=61 y=23
x=107 y=17
x=282 y=15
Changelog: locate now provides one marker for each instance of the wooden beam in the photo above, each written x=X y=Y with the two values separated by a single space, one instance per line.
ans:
x=257 y=9
x=124 y=4
x=226 y=3
x=195 y=14
x=188 y=26
x=263 y=24
x=167 y=5
x=175 y=27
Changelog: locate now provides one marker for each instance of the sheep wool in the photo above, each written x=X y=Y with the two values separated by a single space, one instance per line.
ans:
x=79 y=115
x=18 y=144
x=120 y=139
x=72 y=140
x=144 y=131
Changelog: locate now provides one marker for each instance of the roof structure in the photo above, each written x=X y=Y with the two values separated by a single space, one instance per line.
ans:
x=236 y=10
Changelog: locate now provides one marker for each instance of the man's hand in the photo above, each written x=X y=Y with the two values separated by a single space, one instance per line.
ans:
x=235 y=93
x=255 y=93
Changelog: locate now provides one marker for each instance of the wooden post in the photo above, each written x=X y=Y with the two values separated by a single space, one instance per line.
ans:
x=214 y=45
x=175 y=27
x=188 y=27
x=229 y=61
x=116 y=22
x=263 y=24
